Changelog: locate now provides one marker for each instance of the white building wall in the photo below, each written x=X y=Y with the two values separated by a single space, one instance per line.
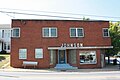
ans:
x=5 y=37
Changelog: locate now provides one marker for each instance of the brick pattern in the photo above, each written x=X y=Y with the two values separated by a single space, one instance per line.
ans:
x=31 y=38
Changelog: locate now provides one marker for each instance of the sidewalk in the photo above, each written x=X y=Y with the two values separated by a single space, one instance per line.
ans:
x=107 y=68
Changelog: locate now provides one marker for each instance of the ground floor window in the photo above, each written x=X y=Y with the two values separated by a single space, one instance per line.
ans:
x=6 y=46
x=88 y=57
x=39 y=53
x=72 y=56
x=22 y=53
x=52 y=56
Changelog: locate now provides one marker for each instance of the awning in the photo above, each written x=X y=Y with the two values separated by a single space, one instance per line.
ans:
x=91 y=47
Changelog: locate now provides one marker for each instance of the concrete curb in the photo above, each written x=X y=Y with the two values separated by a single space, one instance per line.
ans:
x=54 y=70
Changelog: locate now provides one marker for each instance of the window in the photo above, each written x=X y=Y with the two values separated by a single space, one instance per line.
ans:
x=16 y=32
x=22 y=53
x=2 y=33
x=72 y=56
x=6 y=33
x=38 y=53
x=6 y=46
x=52 y=56
x=49 y=32
x=76 y=32
x=88 y=57
x=106 y=32
x=53 y=32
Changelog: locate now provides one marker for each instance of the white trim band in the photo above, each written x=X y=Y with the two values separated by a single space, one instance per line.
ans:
x=93 y=47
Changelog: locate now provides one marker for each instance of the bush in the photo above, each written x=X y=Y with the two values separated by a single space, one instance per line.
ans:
x=3 y=52
x=2 y=58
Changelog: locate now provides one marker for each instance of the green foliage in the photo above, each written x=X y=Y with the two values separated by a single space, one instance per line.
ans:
x=115 y=38
x=86 y=19
x=2 y=58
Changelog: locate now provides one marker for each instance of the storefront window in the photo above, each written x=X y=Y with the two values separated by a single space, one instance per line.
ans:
x=52 y=56
x=72 y=56
x=88 y=57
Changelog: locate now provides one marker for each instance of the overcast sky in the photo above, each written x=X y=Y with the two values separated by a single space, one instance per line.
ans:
x=110 y=8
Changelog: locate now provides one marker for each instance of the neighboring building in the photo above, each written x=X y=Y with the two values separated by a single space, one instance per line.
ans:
x=5 y=37
x=59 y=43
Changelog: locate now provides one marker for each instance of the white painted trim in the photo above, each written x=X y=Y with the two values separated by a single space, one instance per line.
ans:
x=39 y=53
x=76 y=32
x=108 y=32
x=94 y=47
x=49 y=28
x=25 y=56
x=19 y=32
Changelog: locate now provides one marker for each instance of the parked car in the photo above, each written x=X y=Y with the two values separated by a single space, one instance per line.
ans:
x=113 y=60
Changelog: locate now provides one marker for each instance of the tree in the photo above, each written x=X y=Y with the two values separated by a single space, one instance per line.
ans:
x=86 y=19
x=115 y=39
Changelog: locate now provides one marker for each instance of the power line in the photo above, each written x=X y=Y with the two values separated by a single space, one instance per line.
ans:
x=50 y=16
x=38 y=15
x=62 y=13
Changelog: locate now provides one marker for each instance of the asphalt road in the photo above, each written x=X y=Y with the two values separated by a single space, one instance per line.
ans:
x=111 y=75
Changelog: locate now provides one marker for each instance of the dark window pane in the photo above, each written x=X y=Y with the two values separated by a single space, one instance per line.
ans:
x=80 y=32
x=46 y=32
x=53 y=32
x=73 y=32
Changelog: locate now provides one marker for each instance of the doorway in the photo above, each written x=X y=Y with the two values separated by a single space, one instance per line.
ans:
x=62 y=56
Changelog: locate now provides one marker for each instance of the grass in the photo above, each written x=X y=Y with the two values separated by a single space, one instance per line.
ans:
x=3 y=59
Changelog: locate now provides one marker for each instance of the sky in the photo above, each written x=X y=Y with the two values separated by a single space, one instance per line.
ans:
x=93 y=9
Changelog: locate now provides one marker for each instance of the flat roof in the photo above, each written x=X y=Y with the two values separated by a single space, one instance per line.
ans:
x=58 y=20
x=5 y=26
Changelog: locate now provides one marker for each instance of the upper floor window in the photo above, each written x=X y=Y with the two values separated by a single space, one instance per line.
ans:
x=76 y=32
x=106 y=32
x=16 y=32
x=49 y=32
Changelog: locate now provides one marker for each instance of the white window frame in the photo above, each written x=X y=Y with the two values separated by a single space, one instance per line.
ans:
x=13 y=32
x=39 y=55
x=23 y=55
x=107 y=32
x=49 y=34
x=77 y=32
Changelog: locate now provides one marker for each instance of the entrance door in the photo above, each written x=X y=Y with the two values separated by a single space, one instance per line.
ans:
x=62 y=57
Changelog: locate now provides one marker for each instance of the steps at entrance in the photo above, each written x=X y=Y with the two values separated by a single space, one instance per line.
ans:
x=64 y=67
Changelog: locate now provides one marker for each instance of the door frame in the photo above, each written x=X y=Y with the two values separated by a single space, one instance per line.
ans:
x=65 y=56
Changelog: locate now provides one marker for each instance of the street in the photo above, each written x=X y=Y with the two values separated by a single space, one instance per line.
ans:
x=110 y=75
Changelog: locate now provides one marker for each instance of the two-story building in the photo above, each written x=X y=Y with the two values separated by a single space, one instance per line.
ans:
x=5 y=37
x=52 y=43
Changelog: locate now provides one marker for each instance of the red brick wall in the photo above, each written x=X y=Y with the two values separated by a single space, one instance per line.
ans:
x=31 y=37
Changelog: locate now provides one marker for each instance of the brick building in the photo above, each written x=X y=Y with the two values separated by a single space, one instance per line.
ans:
x=59 y=43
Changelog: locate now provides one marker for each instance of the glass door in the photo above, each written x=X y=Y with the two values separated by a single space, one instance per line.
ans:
x=62 y=56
